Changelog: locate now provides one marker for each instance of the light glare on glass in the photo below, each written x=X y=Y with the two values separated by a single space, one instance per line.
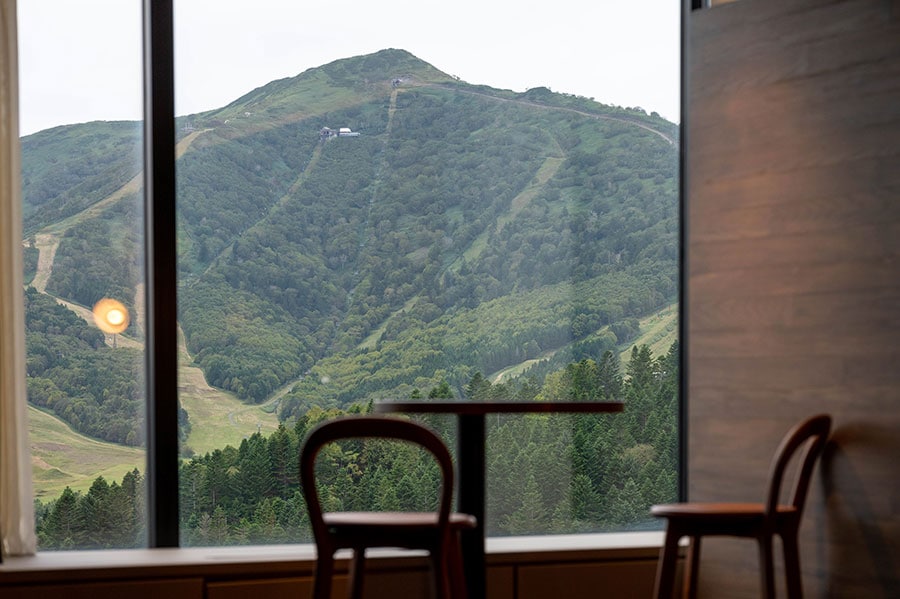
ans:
x=111 y=316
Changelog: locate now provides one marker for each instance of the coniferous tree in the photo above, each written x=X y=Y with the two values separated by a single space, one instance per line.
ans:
x=254 y=480
x=64 y=525
x=531 y=516
x=283 y=452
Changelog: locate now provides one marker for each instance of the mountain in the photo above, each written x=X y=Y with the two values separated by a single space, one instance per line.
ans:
x=458 y=230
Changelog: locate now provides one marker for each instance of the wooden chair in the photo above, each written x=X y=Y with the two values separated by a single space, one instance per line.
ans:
x=437 y=532
x=761 y=521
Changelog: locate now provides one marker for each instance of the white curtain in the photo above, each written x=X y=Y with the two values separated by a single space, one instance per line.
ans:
x=16 y=495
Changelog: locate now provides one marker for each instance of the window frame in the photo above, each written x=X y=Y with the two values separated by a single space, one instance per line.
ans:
x=160 y=254
x=161 y=279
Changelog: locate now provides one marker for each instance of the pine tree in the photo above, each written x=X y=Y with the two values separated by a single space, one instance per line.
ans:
x=640 y=368
x=266 y=528
x=217 y=527
x=627 y=505
x=135 y=513
x=95 y=509
x=64 y=525
x=255 y=480
x=282 y=448
x=608 y=377
x=478 y=387
x=584 y=500
x=531 y=516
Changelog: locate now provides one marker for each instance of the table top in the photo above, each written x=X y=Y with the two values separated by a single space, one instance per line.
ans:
x=461 y=407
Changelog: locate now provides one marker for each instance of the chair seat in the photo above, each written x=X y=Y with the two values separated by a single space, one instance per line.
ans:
x=408 y=530
x=713 y=511
x=730 y=519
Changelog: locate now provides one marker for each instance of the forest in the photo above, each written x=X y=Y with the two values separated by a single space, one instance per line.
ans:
x=584 y=473
x=71 y=372
x=464 y=206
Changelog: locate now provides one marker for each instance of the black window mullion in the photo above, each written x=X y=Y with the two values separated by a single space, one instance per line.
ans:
x=687 y=7
x=160 y=275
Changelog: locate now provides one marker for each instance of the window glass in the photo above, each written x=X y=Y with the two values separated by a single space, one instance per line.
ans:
x=80 y=70
x=479 y=202
x=472 y=202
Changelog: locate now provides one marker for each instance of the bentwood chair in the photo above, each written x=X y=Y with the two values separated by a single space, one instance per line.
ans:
x=437 y=532
x=760 y=521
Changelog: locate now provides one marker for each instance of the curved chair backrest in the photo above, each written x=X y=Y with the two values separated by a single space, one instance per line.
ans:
x=371 y=427
x=815 y=430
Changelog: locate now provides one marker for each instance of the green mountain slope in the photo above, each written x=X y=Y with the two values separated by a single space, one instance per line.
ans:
x=465 y=229
x=67 y=169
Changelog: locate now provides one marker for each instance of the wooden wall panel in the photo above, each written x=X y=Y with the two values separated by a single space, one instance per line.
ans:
x=136 y=589
x=793 y=208
x=273 y=588
x=379 y=585
x=501 y=582
x=587 y=581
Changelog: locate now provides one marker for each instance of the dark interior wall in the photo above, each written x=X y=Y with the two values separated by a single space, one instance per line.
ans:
x=793 y=258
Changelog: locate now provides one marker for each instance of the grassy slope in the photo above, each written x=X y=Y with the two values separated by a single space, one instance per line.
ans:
x=61 y=457
x=659 y=331
x=217 y=418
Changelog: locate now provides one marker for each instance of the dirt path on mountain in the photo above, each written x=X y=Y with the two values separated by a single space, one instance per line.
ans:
x=301 y=178
x=46 y=244
x=544 y=173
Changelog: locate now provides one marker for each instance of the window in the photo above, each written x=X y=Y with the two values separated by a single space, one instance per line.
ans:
x=83 y=229
x=378 y=211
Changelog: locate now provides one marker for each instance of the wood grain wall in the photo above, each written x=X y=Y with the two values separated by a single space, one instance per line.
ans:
x=793 y=258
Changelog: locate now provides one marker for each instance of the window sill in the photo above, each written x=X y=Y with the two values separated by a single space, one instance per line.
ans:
x=215 y=563
x=576 y=547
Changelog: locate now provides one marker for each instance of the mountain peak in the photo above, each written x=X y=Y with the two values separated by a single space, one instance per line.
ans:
x=339 y=83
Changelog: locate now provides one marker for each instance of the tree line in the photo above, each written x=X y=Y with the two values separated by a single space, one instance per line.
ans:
x=546 y=473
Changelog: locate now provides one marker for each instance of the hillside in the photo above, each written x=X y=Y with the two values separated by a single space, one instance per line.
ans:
x=464 y=229
x=372 y=228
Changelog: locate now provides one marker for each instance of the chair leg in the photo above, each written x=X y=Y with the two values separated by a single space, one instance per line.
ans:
x=455 y=571
x=357 y=572
x=792 y=565
x=665 y=570
x=440 y=557
x=766 y=567
x=692 y=568
x=324 y=573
